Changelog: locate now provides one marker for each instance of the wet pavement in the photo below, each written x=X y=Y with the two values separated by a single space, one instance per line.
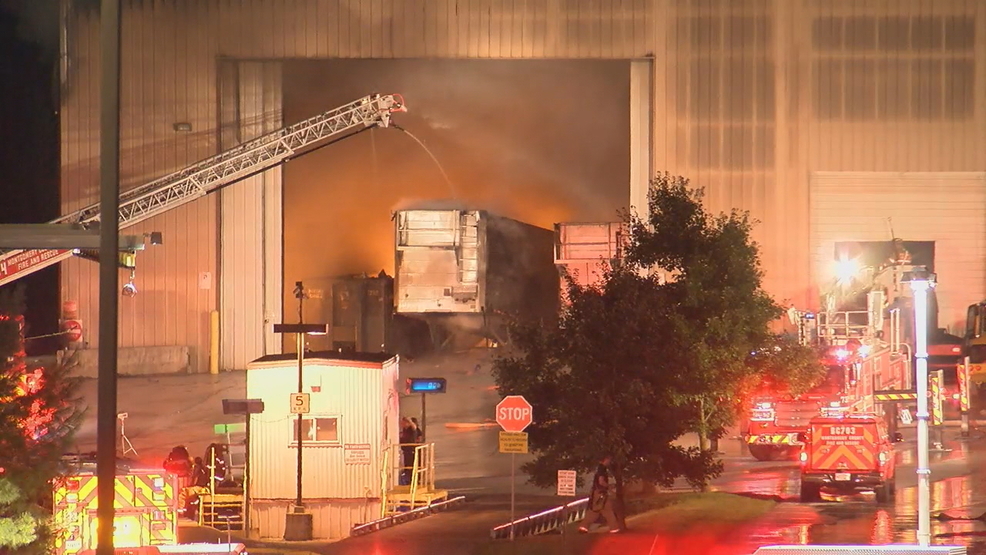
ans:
x=167 y=410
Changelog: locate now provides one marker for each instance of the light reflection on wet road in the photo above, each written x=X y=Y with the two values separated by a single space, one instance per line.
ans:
x=957 y=490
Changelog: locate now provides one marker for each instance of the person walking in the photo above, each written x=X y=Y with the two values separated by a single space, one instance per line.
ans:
x=600 y=502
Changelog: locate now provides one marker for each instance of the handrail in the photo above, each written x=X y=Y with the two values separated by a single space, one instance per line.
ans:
x=543 y=522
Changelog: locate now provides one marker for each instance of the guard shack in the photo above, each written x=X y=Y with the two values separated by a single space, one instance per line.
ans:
x=351 y=457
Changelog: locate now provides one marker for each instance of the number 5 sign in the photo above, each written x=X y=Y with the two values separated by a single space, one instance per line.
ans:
x=300 y=403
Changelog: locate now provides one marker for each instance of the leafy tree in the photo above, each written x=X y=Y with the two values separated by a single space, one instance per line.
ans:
x=598 y=385
x=637 y=361
x=723 y=312
x=38 y=415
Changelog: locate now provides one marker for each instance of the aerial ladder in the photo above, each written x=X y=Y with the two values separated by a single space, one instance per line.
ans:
x=214 y=173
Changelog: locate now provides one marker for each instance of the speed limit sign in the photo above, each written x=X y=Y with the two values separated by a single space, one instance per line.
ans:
x=300 y=403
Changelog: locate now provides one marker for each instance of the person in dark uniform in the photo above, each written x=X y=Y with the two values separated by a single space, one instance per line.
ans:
x=600 y=500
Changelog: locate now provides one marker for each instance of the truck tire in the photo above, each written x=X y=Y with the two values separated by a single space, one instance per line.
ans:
x=892 y=485
x=810 y=493
x=763 y=452
x=882 y=492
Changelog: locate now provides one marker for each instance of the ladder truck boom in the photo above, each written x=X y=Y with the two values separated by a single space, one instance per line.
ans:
x=214 y=173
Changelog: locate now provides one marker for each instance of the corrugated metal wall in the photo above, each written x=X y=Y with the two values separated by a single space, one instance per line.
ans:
x=749 y=97
x=358 y=394
x=943 y=207
x=250 y=219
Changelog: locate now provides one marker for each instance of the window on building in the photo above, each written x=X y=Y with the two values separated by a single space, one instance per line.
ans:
x=316 y=429
x=918 y=68
x=726 y=91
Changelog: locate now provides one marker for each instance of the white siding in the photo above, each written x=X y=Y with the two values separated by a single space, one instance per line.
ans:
x=331 y=520
x=641 y=139
x=355 y=392
x=250 y=223
x=947 y=208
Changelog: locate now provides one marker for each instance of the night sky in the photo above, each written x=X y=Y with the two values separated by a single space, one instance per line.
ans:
x=29 y=160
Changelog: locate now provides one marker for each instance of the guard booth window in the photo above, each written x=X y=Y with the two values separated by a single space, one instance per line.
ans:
x=316 y=429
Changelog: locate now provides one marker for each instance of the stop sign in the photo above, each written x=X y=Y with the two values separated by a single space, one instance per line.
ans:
x=514 y=413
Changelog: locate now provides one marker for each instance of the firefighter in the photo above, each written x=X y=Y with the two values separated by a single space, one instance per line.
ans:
x=179 y=463
x=410 y=436
x=600 y=500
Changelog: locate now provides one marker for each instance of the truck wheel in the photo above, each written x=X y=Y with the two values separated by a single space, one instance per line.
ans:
x=763 y=452
x=892 y=488
x=810 y=493
x=882 y=492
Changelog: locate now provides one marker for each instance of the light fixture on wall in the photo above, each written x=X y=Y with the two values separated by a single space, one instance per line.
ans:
x=182 y=127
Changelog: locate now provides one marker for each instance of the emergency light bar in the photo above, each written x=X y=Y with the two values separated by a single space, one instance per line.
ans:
x=834 y=412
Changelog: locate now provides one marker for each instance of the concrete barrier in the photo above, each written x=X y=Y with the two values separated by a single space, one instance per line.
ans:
x=132 y=361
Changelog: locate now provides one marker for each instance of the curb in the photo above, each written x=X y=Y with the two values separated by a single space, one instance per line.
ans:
x=471 y=425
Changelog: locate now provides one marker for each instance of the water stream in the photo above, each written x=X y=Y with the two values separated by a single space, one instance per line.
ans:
x=435 y=159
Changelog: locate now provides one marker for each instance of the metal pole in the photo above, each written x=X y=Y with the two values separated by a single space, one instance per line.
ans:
x=513 y=471
x=423 y=412
x=920 y=289
x=301 y=385
x=246 y=478
x=964 y=397
x=109 y=248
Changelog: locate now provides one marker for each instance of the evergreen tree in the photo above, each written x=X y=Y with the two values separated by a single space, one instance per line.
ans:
x=38 y=414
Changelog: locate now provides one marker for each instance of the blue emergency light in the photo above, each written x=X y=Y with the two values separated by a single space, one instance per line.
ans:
x=425 y=385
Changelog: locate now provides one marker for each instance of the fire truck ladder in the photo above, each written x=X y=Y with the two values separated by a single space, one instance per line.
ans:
x=212 y=174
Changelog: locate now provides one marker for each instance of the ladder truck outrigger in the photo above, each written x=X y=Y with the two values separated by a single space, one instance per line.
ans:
x=73 y=513
x=214 y=173
x=863 y=357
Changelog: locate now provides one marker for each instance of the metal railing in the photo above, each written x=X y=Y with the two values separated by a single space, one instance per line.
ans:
x=400 y=518
x=836 y=332
x=543 y=522
x=420 y=473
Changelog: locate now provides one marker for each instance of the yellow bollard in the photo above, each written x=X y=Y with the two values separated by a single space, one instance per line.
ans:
x=936 y=398
x=214 y=342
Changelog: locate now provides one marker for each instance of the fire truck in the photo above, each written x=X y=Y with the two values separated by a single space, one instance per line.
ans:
x=144 y=503
x=861 y=352
x=854 y=370
x=847 y=453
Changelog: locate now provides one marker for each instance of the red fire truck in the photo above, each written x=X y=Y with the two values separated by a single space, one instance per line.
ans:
x=853 y=372
x=848 y=453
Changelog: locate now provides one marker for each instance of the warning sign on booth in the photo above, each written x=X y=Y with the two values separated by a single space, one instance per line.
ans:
x=357 y=453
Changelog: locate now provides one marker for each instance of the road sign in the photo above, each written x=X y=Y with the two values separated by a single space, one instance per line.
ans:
x=566 y=483
x=514 y=413
x=300 y=403
x=73 y=330
x=513 y=442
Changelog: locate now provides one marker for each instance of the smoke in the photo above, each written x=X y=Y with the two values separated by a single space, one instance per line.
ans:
x=536 y=141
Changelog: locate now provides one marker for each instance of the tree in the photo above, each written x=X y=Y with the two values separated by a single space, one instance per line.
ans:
x=38 y=415
x=597 y=385
x=722 y=313
x=637 y=361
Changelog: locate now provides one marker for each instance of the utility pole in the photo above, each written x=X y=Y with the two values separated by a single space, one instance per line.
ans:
x=109 y=247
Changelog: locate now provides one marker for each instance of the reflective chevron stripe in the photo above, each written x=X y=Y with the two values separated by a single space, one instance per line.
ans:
x=145 y=504
x=892 y=395
x=770 y=439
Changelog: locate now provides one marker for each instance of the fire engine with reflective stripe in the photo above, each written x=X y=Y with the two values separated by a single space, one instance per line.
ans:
x=144 y=504
x=849 y=452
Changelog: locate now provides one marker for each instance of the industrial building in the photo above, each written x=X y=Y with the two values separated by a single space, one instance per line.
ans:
x=831 y=121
